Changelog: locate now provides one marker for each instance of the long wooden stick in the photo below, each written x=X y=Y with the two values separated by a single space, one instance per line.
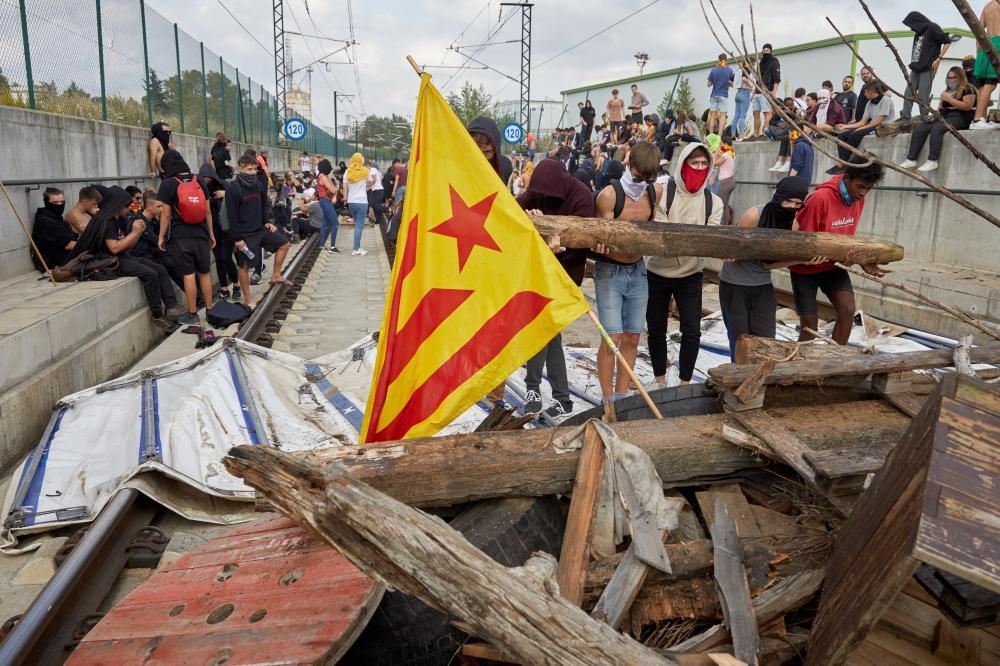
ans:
x=982 y=38
x=27 y=233
x=971 y=321
x=413 y=63
x=624 y=364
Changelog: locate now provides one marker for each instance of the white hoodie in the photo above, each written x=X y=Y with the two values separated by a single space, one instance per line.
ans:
x=687 y=208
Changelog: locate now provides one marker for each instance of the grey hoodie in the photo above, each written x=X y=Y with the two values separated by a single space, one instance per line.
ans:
x=687 y=208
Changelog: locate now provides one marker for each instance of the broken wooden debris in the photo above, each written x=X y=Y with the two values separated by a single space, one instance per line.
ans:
x=518 y=609
x=934 y=501
x=792 y=372
x=695 y=240
x=424 y=472
x=575 y=554
x=621 y=590
x=731 y=581
x=751 y=391
x=785 y=444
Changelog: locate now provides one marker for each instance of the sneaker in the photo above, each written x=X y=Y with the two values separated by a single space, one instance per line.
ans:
x=255 y=278
x=237 y=293
x=908 y=164
x=532 y=402
x=777 y=167
x=653 y=386
x=334 y=250
x=359 y=253
x=224 y=292
x=189 y=318
x=784 y=168
x=175 y=311
x=558 y=409
x=929 y=165
x=981 y=124
x=164 y=324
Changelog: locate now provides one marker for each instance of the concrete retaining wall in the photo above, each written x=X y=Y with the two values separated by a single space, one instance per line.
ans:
x=42 y=145
x=929 y=226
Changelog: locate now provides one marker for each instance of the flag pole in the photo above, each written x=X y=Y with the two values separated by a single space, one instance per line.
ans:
x=413 y=63
x=621 y=360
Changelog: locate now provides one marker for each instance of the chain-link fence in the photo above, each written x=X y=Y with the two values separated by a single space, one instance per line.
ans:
x=121 y=62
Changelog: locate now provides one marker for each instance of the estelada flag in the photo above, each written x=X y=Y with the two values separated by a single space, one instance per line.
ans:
x=474 y=291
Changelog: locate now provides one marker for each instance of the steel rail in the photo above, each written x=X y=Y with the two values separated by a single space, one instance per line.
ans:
x=85 y=578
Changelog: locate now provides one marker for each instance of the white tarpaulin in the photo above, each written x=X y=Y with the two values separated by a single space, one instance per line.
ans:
x=178 y=421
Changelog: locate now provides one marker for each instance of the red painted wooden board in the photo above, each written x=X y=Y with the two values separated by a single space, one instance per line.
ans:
x=265 y=593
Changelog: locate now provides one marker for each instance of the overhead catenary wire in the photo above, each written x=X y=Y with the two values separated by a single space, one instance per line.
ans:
x=354 y=57
x=596 y=34
x=316 y=28
x=468 y=25
x=489 y=41
x=239 y=23
x=322 y=71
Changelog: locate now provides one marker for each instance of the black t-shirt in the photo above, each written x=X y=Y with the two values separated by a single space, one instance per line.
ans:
x=848 y=99
x=178 y=227
x=220 y=155
x=587 y=115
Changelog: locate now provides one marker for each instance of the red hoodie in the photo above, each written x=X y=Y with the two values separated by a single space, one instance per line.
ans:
x=824 y=210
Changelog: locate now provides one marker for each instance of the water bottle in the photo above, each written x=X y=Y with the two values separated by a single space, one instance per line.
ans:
x=249 y=254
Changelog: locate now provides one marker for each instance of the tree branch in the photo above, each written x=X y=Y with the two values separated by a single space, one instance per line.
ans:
x=985 y=43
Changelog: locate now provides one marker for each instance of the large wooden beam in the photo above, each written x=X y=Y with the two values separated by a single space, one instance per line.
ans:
x=815 y=370
x=673 y=240
x=439 y=471
x=518 y=609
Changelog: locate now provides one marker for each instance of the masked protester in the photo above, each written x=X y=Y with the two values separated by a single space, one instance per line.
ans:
x=159 y=142
x=51 y=234
x=745 y=291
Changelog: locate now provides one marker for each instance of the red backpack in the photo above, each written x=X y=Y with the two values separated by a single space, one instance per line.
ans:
x=190 y=201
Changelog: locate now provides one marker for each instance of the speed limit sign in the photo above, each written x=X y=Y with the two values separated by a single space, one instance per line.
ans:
x=513 y=133
x=295 y=129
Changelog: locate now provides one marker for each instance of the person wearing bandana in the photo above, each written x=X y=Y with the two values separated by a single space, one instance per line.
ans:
x=159 y=143
x=746 y=294
x=680 y=278
x=835 y=207
x=620 y=278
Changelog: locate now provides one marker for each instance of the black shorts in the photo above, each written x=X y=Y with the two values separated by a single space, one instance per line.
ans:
x=263 y=239
x=804 y=285
x=617 y=125
x=190 y=255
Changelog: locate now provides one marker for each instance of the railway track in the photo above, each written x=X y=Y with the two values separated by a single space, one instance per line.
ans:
x=68 y=606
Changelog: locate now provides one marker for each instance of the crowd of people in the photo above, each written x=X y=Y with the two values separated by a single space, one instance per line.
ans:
x=233 y=209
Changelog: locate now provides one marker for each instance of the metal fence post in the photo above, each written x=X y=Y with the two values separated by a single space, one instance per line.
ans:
x=100 y=63
x=180 y=83
x=27 y=56
x=222 y=94
x=241 y=119
x=250 y=104
x=204 y=87
x=145 y=61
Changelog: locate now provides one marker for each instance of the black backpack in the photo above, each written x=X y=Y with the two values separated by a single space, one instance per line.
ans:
x=226 y=313
x=672 y=192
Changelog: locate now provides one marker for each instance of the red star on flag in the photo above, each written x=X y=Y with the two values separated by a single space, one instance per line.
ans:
x=467 y=226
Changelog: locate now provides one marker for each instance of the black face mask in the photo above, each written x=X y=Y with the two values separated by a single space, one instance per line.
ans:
x=876 y=100
x=247 y=179
x=56 y=208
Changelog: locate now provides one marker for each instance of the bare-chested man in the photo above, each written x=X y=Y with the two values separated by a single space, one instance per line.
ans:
x=157 y=144
x=86 y=207
x=984 y=71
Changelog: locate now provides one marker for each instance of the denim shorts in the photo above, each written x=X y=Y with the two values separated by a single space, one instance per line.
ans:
x=622 y=292
x=719 y=103
x=759 y=103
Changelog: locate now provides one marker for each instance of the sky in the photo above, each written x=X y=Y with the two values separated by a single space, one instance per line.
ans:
x=672 y=32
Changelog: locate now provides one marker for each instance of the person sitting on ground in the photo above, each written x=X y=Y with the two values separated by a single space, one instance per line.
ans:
x=957 y=106
x=878 y=111
x=746 y=294
x=87 y=204
x=620 y=278
x=251 y=226
x=187 y=216
x=825 y=111
x=111 y=234
x=148 y=245
x=158 y=143
x=685 y=130
x=835 y=207
x=51 y=234
x=553 y=191
x=687 y=201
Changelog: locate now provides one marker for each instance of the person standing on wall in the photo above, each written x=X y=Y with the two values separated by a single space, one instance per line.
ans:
x=930 y=44
x=720 y=80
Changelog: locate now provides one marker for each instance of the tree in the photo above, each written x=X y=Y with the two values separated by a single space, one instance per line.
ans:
x=470 y=102
x=685 y=98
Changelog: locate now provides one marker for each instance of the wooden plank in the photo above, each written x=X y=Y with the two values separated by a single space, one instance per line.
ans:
x=751 y=349
x=792 y=372
x=622 y=589
x=907 y=402
x=441 y=471
x=488 y=652
x=698 y=240
x=780 y=440
x=956 y=646
x=737 y=506
x=575 y=553
x=731 y=580
x=516 y=609
x=752 y=388
x=837 y=463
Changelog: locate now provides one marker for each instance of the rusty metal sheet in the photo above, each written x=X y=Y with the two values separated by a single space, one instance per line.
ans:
x=265 y=593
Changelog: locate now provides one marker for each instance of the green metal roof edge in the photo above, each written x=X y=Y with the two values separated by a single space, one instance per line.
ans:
x=818 y=44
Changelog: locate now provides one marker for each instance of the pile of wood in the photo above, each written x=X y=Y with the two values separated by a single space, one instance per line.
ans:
x=799 y=530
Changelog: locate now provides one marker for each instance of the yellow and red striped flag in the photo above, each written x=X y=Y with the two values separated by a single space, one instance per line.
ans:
x=474 y=292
